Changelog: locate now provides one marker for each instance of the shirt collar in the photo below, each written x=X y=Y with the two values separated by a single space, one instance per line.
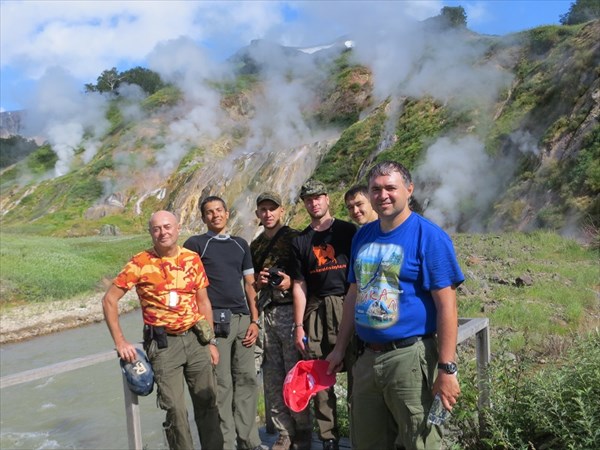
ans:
x=221 y=237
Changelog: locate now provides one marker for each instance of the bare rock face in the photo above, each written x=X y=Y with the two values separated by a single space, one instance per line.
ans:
x=10 y=123
x=110 y=230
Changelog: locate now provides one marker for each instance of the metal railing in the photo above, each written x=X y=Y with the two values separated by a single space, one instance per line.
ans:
x=467 y=328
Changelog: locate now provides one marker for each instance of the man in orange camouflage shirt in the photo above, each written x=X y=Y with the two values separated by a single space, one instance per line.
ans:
x=171 y=285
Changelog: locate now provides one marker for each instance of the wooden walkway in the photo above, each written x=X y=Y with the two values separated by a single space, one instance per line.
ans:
x=269 y=440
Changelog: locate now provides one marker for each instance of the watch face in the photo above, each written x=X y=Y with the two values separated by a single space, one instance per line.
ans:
x=449 y=368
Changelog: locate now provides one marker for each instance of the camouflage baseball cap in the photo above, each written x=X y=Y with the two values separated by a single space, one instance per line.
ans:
x=312 y=187
x=268 y=196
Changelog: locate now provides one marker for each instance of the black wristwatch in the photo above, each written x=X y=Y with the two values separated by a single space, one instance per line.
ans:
x=257 y=322
x=450 y=368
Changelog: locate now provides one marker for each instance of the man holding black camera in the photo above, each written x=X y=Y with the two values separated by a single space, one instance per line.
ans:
x=271 y=255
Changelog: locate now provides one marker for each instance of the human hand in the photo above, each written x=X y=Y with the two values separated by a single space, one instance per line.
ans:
x=214 y=354
x=263 y=279
x=286 y=282
x=447 y=386
x=336 y=361
x=251 y=335
x=299 y=340
x=126 y=351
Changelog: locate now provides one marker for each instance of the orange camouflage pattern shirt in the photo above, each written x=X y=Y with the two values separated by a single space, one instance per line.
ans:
x=166 y=287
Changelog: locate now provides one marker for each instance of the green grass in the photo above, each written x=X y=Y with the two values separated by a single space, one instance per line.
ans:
x=560 y=299
x=35 y=269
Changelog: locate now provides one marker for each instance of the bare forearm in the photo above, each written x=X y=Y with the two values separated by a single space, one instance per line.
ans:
x=110 y=309
x=299 y=292
x=347 y=325
x=251 y=296
x=204 y=305
x=447 y=323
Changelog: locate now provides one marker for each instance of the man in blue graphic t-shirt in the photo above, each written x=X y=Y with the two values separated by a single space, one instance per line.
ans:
x=402 y=304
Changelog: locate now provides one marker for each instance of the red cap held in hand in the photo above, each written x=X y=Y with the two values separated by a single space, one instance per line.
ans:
x=303 y=382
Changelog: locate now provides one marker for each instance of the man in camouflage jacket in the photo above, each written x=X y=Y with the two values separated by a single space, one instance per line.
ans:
x=272 y=256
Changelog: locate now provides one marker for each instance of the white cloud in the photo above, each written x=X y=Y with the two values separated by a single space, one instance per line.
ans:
x=90 y=36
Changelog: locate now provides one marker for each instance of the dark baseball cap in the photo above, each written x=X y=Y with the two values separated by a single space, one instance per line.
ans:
x=139 y=374
x=268 y=196
x=312 y=187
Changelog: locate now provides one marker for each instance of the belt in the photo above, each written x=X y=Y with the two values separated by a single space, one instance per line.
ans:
x=274 y=304
x=396 y=344
x=183 y=333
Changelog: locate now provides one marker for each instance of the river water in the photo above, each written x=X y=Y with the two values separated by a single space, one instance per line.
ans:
x=81 y=409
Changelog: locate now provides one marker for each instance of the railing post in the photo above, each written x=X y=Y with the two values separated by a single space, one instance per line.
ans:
x=132 y=413
x=482 y=348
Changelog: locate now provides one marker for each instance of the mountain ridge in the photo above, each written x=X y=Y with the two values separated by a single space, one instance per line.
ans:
x=276 y=123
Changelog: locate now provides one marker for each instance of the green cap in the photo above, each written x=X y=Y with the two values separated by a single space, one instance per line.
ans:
x=268 y=196
x=312 y=187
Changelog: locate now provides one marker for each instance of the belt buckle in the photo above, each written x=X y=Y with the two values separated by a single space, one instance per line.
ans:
x=377 y=348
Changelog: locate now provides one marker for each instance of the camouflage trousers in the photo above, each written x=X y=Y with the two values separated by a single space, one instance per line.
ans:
x=280 y=355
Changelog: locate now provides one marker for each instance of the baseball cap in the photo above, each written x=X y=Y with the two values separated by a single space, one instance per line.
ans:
x=312 y=187
x=139 y=374
x=303 y=382
x=269 y=196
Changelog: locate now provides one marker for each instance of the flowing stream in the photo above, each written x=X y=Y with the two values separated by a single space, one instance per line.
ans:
x=81 y=409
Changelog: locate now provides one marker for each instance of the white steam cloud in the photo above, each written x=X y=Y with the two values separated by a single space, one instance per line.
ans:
x=458 y=181
x=68 y=118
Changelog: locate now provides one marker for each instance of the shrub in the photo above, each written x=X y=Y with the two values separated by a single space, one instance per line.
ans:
x=42 y=160
x=537 y=406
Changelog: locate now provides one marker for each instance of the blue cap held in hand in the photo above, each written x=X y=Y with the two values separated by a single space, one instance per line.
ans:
x=139 y=374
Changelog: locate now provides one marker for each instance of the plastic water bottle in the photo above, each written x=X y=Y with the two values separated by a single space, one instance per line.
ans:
x=437 y=414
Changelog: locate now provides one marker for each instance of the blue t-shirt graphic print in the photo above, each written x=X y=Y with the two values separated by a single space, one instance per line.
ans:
x=377 y=267
x=395 y=273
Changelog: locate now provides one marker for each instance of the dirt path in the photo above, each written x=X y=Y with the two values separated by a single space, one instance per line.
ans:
x=27 y=321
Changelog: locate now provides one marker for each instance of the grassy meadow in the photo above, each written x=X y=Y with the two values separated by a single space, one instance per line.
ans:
x=38 y=269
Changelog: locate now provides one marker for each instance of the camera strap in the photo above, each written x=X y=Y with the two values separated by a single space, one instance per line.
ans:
x=269 y=247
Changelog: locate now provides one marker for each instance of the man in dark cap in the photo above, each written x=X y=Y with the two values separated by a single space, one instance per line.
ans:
x=322 y=253
x=272 y=259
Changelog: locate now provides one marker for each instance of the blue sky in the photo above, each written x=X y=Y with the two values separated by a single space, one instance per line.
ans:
x=86 y=37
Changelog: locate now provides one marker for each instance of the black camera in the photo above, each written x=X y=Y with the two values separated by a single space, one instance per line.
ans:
x=274 y=278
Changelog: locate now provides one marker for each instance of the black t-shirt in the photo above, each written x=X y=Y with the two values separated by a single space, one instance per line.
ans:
x=226 y=260
x=322 y=257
